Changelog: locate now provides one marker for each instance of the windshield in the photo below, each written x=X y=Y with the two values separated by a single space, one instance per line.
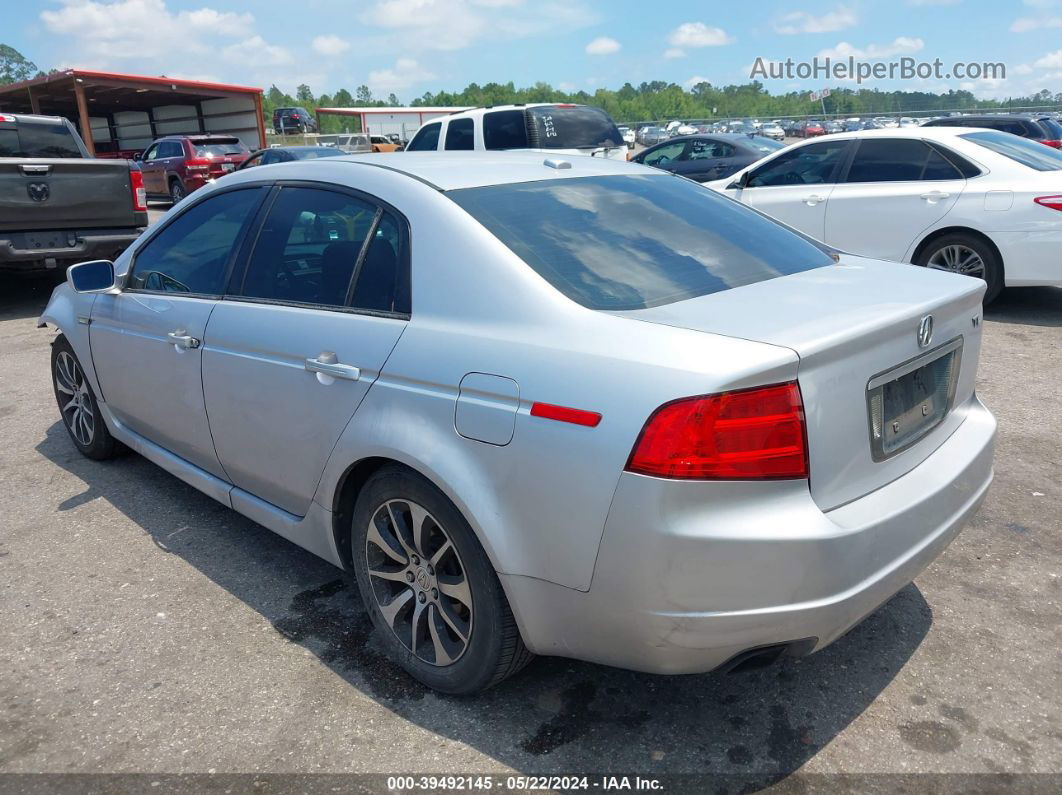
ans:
x=632 y=242
x=1029 y=153
x=571 y=127
x=219 y=148
x=313 y=152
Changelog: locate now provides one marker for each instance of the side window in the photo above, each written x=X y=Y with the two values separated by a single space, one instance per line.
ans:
x=665 y=154
x=505 y=129
x=708 y=150
x=255 y=160
x=152 y=152
x=191 y=254
x=383 y=280
x=426 y=140
x=308 y=247
x=459 y=134
x=967 y=169
x=813 y=164
x=897 y=160
x=171 y=149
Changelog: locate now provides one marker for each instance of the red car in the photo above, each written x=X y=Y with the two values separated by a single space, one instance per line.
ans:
x=809 y=129
x=176 y=165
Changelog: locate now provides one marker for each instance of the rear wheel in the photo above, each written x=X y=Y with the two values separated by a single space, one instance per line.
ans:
x=429 y=587
x=78 y=407
x=177 y=191
x=968 y=255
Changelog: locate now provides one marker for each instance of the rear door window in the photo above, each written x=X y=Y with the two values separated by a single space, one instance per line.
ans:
x=459 y=135
x=426 y=139
x=898 y=160
x=636 y=241
x=505 y=129
x=171 y=149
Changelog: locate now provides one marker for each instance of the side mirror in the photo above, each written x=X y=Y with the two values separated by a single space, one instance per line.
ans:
x=740 y=182
x=95 y=276
x=138 y=157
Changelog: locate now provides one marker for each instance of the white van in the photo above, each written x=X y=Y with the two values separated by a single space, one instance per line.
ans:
x=557 y=129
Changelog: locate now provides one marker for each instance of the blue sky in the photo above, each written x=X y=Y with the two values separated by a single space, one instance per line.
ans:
x=412 y=46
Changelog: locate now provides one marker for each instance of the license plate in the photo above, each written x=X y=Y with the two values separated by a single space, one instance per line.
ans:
x=909 y=401
x=228 y=166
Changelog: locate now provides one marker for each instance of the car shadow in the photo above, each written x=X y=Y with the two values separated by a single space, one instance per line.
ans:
x=1029 y=306
x=23 y=296
x=751 y=729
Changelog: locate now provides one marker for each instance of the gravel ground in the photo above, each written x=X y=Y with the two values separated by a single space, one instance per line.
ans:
x=144 y=628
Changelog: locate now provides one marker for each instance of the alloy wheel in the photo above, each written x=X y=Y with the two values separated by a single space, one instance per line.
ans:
x=958 y=258
x=419 y=582
x=78 y=413
x=176 y=192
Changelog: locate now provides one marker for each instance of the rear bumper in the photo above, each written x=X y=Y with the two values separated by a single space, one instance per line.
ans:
x=1031 y=259
x=90 y=244
x=689 y=575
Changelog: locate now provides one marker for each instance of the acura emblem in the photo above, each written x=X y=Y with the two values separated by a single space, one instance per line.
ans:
x=38 y=191
x=925 y=331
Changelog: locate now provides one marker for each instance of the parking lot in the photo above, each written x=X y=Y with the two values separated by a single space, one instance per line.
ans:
x=144 y=627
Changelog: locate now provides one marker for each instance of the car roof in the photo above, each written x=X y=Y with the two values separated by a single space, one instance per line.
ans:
x=455 y=170
x=932 y=133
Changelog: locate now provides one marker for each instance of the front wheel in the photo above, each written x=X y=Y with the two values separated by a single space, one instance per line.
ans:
x=78 y=407
x=429 y=587
x=968 y=255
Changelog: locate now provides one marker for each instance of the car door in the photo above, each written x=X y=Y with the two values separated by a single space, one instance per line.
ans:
x=147 y=338
x=894 y=189
x=150 y=167
x=171 y=156
x=301 y=336
x=794 y=186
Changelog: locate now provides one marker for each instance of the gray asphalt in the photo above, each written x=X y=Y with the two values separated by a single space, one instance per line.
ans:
x=145 y=628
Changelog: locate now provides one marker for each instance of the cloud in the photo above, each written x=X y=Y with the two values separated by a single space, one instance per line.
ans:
x=255 y=49
x=603 y=45
x=1053 y=60
x=117 y=30
x=802 y=22
x=904 y=45
x=697 y=34
x=933 y=2
x=674 y=52
x=1026 y=24
x=330 y=45
x=403 y=75
x=695 y=80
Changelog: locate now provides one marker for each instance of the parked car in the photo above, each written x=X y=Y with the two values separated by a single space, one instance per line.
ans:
x=809 y=129
x=381 y=143
x=706 y=157
x=297 y=120
x=853 y=125
x=650 y=136
x=555 y=128
x=424 y=375
x=176 y=165
x=285 y=154
x=832 y=127
x=907 y=121
x=628 y=136
x=684 y=129
x=772 y=130
x=1042 y=129
x=978 y=202
x=58 y=205
x=354 y=143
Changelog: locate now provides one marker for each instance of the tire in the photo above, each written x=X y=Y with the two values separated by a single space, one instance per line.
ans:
x=426 y=609
x=177 y=191
x=78 y=406
x=965 y=253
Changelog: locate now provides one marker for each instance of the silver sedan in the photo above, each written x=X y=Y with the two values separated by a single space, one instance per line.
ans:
x=541 y=406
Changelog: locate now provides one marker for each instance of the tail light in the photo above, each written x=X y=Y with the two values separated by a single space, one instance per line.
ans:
x=1054 y=144
x=136 y=187
x=193 y=164
x=1051 y=202
x=750 y=434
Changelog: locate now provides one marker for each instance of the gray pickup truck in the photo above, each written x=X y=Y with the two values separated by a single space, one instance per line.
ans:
x=58 y=205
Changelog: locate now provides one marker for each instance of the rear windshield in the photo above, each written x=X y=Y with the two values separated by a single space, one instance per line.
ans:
x=1053 y=128
x=313 y=152
x=219 y=148
x=38 y=140
x=576 y=127
x=632 y=242
x=1029 y=153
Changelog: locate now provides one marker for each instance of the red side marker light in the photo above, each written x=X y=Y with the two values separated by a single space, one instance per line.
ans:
x=548 y=411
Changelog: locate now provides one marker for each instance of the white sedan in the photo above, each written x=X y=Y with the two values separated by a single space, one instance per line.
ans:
x=978 y=202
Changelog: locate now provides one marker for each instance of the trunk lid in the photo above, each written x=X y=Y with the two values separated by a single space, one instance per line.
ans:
x=64 y=193
x=854 y=326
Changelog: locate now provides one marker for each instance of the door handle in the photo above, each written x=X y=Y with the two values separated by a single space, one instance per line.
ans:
x=813 y=199
x=182 y=340
x=327 y=363
x=935 y=194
